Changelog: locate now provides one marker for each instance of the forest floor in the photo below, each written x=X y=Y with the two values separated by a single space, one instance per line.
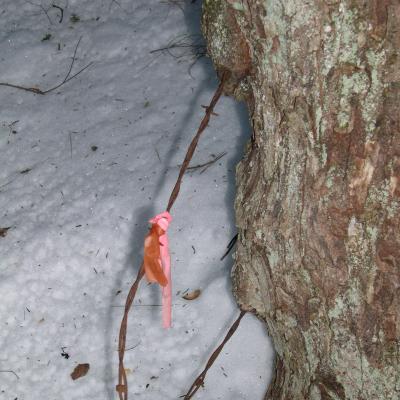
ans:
x=83 y=169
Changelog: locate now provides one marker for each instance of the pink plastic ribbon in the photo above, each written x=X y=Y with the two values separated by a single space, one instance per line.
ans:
x=162 y=220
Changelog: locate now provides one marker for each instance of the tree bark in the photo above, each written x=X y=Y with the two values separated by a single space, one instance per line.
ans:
x=318 y=190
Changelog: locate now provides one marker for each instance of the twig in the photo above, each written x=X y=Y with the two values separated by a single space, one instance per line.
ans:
x=70 y=144
x=27 y=89
x=230 y=246
x=11 y=372
x=70 y=78
x=199 y=381
x=133 y=347
x=7 y=183
x=73 y=60
x=65 y=80
x=42 y=8
x=194 y=43
x=61 y=10
x=122 y=386
x=207 y=164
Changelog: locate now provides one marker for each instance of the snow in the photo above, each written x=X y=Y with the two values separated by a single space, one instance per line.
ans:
x=83 y=169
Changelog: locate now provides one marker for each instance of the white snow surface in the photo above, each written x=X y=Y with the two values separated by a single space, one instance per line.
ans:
x=83 y=169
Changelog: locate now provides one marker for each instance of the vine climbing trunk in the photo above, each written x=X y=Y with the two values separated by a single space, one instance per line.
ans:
x=318 y=190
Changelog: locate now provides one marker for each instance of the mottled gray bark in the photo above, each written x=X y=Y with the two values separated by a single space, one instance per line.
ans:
x=318 y=191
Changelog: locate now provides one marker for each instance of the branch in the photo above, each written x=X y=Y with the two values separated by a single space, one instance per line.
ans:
x=65 y=80
x=10 y=372
x=27 y=89
x=199 y=381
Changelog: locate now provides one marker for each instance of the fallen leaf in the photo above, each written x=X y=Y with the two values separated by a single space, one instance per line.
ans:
x=192 y=295
x=3 y=231
x=79 y=371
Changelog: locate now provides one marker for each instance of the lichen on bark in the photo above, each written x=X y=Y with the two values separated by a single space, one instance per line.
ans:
x=318 y=192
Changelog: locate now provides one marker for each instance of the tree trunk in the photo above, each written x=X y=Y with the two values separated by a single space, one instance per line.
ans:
x=318 y=191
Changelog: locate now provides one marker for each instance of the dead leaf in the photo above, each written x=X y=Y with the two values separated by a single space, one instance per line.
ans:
x=79 y=371
x=192 y=295
x=3 y=231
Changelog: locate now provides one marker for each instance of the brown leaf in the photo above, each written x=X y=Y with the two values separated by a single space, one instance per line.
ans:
x=3 y=231
x=192 y=295
x=79 y=371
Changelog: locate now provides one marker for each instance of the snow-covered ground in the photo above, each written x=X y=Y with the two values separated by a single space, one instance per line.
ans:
x=83 y=168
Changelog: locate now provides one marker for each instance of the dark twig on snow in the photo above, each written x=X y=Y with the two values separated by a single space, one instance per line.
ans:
x=61 y=11
x=10 y=372
x=189 y=47
x=184 y=46
x=73 y=60
x=27 y=89
x=67 y=78
x=42 y=8
x=70 y=144
x=207 y=164
x=199 y=381
x=122 y=386
x=133 y=347
x=230 y=246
